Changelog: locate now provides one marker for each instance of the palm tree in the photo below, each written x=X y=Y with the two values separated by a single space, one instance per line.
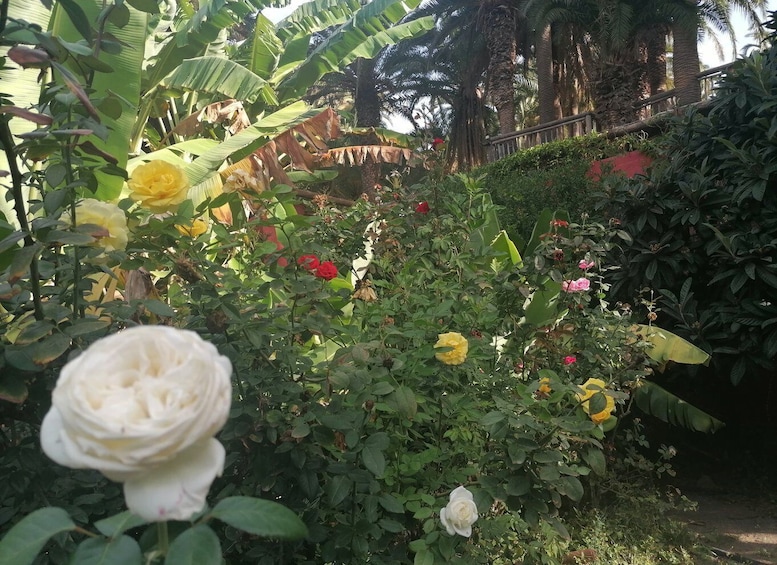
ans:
x=693 y=18
x=446 y=67
x=497 y=20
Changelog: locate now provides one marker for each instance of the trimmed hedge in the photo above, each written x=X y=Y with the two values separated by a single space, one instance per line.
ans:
x=552 y=175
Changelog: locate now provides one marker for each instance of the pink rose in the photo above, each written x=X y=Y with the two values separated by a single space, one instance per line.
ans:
x=578 y=285
x=569 y=359
x=585 y=265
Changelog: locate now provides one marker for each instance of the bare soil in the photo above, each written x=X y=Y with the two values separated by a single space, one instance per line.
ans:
x=737 y=528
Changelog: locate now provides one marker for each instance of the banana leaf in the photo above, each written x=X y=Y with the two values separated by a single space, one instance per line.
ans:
x=21 y=85
x=123 y=83
x=370 y=29
x=217 y=75
x=667 y=346
x=659 y=402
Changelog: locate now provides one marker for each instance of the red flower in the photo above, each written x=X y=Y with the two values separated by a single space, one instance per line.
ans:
x=326 y=271
x=422 y=208
x=559 y=224
x=436 y=142
x=569 y=359
x=309 y=262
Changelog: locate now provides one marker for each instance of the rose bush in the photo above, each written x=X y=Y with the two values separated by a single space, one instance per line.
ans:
x=460 y=513
x=158 y=186
x=142 y=407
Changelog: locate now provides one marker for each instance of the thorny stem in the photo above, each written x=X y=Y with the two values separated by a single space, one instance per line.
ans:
x=6 y=140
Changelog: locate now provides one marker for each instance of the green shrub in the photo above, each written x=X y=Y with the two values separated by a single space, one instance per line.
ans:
x=704 y=225
x=551 y=175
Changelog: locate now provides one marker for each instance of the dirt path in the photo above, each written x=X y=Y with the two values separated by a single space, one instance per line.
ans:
x=742 y=528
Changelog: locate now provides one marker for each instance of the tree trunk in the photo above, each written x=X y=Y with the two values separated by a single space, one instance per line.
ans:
x=655 y=45
x=367 y=107
x=468 y=130
x=547 y=91
x=499 y=29
x=618 y=85
x=685 y=64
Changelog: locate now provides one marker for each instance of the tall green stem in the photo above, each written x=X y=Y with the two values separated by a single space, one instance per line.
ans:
x=6 y=140
x=163 y=540
x=77 y=308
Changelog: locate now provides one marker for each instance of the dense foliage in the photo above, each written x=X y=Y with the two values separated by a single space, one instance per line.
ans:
x=703 y=228
x=552 y=175
x=704 y=223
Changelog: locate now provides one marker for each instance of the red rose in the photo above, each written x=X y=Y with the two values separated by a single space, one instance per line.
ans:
x=309 y=262
x=422 y=208
x=436 y=142
x=326 y=271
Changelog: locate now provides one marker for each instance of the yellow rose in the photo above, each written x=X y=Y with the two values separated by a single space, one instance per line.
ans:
x=158 y=186
x=590 y=388
x=544 y=388
x=455 y=356
x=106 y=215
x=196 y=228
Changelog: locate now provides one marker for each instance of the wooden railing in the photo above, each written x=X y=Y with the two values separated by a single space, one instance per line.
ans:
x=501 y=146
x=506 y=144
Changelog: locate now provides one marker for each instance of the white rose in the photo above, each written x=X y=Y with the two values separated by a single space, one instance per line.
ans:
x=460 y=513
x=142 y=407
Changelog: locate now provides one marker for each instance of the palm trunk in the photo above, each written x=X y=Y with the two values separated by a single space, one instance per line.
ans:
x=468 y=130
x=685 y=64
x=618 y=85
x=499 y=28
x=545 y=82
x=367 y=107
x=655 y=46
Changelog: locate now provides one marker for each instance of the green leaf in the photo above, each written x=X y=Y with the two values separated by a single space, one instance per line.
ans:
x=595 y=459
x=196 y=546
x=503 y=244
x=571 y=487
x=365 y=34
x=542 y=307
x=118 y=524
x=86 y=326
x=219 y=75
x=667 y=346
x=101 y=551
x=374 y=460
x=78 y=18
x=404 y=401
x=149 y=6
x=159 y=308
x=664 y=405
x=542 y=227
x=21 y=84
x=127 y=65
x=338 y=489
x=260 y=517
x=23 y=542
x=12 y=388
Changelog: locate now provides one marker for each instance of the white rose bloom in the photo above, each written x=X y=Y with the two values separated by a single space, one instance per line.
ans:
x=460 y=513
x=142 y=407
